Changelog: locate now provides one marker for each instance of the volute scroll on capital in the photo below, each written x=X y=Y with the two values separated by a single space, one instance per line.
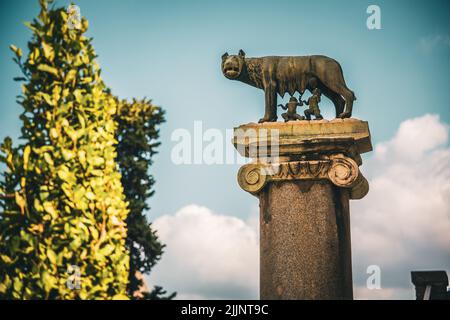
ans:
x=339 y=169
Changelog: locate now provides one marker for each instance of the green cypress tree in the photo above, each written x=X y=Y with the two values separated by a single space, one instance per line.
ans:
x=138 y=139
x=63 y=210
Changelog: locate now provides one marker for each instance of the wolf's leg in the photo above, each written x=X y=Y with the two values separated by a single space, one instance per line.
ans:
x=270 y=114
x=338 y=101
x=349 y=97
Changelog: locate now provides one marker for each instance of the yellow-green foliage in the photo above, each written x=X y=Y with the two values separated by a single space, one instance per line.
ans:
x=63 y=203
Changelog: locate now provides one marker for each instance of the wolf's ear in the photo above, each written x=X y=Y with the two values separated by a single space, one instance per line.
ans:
x=242 y=53
x=225 y=55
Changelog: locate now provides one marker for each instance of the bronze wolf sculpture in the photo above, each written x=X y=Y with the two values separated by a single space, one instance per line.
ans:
x=278 y=75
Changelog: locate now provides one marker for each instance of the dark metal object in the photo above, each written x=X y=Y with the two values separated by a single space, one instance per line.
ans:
x=430 y=285
x=313 y=103
x=280 y=75
x=291 y=108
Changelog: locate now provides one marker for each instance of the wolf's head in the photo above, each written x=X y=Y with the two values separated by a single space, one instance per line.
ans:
x=232 y=65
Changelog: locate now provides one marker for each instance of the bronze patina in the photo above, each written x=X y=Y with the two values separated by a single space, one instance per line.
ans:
x=291 y=107
x=280 y=75
x=313 y=103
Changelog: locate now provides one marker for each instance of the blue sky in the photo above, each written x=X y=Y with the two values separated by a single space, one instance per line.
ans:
x=170 y=51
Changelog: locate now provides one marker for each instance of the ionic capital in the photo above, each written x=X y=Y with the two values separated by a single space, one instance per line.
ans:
x=340 y=170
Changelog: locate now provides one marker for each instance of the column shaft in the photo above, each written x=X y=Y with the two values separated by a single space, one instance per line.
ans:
x=305 y=241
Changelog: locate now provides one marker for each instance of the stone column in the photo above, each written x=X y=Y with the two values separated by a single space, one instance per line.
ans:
x=304 y=174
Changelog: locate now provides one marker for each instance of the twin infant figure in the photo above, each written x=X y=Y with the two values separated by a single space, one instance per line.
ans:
x=313 y=103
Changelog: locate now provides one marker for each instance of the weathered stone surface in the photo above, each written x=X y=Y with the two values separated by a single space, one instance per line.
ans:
x=304 y=137
x=304 y=193
x=342 y=171
x=304 y=239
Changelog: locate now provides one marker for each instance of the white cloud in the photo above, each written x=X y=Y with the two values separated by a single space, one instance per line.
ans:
x=403 y=224
x=393 y=293
x=208 y=255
